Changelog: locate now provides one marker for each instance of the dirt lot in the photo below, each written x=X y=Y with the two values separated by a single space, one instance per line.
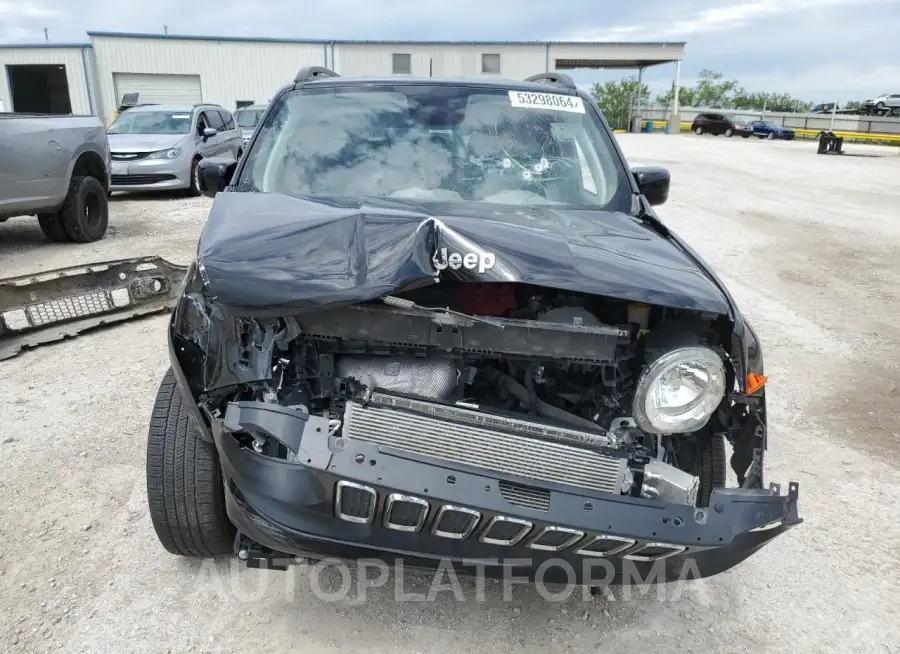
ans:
x=809 y=246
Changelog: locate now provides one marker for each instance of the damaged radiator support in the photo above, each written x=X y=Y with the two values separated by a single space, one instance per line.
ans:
x=53 y=305
x=404 y=327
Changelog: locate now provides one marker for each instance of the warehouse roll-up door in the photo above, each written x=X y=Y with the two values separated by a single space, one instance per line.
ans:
x=159 y=89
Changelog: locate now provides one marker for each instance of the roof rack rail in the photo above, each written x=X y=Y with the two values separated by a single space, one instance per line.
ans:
x=560 y=79
x=313 y=72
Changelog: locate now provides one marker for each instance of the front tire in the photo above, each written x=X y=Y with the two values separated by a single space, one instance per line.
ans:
x=185 y=488
x=729 y=132
x=194 y=189
x=698 y=130
x=771 y=136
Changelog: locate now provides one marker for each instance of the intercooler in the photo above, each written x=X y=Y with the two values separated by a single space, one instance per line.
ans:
x=486 y=441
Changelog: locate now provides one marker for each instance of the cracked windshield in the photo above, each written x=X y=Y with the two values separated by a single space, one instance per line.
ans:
x=437 y=143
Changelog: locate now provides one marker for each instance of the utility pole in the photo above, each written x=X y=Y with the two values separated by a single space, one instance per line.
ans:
x=165 y=29
x=46 y=35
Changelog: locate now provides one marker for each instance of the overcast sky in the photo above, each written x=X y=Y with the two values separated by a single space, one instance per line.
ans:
x=817 y=50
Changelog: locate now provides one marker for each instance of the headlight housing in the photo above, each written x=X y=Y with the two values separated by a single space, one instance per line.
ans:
x=679 y=392
x=173 y=153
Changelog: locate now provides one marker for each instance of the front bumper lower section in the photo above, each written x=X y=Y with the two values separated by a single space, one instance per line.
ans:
x=348 y=498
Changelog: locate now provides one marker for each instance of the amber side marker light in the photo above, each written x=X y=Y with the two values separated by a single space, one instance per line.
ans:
x=755 y=382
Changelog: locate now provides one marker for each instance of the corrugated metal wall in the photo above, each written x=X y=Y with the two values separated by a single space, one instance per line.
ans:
x=71 y=58
x=229 y=70
x=237 y=70
x=373 y=59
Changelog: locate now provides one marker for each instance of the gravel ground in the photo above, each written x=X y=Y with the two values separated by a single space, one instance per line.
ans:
x=808 y=244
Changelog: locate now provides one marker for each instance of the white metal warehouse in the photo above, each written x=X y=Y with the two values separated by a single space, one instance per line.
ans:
x=91 y=78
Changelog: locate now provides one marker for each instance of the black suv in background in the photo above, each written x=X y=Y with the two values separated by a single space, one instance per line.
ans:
x=715 y=124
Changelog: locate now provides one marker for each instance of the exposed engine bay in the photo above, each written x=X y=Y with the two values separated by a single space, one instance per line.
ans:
x=522 y=379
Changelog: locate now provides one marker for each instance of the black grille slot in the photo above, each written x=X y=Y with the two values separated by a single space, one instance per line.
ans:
x=655 y=552
x=139 y=180
x=527 y=497
x=354 y=502
x=129 y=156
x=455 y=522
x=505 y=531
x=554 y=539
x=405 y=513
x=605 y=546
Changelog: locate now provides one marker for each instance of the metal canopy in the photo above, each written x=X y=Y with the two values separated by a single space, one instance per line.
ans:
x=571 y=64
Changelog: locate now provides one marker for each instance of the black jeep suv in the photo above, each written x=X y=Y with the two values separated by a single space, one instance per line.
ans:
x=438 y=321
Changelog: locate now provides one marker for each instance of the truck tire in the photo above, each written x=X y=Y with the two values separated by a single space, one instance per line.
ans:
x=185 y=488
x=85 y=213
x=52 y=226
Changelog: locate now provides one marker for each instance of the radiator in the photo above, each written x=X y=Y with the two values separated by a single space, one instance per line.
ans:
x=489 y=442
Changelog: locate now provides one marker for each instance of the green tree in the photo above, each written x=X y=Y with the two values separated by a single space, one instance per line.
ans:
x=685 y=97
x=713 y=89
x=762 y=100
x=617 y=100
x=853 y=105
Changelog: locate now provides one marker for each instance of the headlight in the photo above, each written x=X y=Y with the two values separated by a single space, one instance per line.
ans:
x=679 y=391
x=174 y=153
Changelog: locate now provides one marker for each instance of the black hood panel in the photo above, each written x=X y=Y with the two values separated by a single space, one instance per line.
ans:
x=263 y=252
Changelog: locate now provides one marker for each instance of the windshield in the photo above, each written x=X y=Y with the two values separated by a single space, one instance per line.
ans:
x=152 y=122
x=437 y=142
x=248 y=118
x=738 y=121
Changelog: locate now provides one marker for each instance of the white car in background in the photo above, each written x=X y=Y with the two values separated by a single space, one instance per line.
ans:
x=885 y=101
x=247 y=119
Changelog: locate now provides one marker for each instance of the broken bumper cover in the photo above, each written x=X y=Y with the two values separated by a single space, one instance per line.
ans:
x=350 y=499
x=57 y=304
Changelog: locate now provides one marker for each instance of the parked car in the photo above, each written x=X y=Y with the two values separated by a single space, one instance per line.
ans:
x=55 y=167
x=824 y=108
x=565 y=393
x=157 y=147
x=882 y=102
x=247 y=118
x=716 y=124
x=766 y=129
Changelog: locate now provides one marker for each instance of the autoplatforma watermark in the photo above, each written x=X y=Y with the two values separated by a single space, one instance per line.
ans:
x=555 y=580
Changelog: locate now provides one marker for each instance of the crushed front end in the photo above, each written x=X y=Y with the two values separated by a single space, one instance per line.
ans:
x=477 y=423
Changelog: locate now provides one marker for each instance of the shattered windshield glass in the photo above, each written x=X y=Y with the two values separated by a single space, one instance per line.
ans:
x=437 y=142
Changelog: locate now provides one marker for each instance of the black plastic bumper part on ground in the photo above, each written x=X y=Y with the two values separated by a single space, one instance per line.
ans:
x=290 y=507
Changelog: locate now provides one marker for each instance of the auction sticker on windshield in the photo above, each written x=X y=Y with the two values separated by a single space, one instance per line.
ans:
x=551 y=101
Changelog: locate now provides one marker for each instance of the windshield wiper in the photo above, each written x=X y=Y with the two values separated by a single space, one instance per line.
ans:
x=440 y=315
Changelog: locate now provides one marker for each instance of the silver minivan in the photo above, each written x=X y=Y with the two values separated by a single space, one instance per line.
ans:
x=157 y=147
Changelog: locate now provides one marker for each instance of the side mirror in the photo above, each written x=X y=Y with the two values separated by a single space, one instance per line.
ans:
x=653 y=183
x=214 y=174
x=209 y=132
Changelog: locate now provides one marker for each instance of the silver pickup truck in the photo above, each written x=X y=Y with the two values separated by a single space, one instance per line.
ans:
x=57 y=168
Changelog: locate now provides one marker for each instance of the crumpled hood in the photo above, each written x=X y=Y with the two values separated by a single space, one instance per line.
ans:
x=143 y=142
x=260 y=252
